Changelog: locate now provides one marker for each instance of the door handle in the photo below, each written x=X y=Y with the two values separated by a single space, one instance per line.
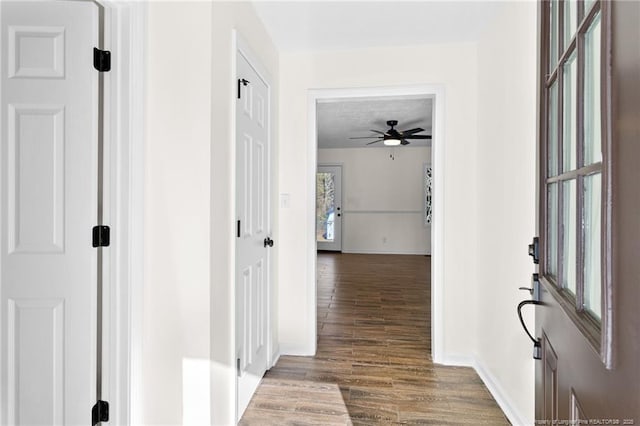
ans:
x=537 y=348
x=268 y=242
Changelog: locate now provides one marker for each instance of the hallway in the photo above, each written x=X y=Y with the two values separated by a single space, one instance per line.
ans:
x=373 y=363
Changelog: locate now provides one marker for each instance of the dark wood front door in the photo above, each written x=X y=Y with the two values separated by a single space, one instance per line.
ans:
x=589 y=213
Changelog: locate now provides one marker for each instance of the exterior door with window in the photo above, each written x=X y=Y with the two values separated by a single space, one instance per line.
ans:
x=329 y=208
x=589 y=213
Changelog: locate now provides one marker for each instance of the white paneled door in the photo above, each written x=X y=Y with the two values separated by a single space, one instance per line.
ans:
x=48 y=206
x=253 y=241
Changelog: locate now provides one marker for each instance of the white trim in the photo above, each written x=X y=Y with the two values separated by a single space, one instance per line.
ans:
x=502 y=398
x=125 y=32
x=437 y=92
x=403 y=252
x=382 y=211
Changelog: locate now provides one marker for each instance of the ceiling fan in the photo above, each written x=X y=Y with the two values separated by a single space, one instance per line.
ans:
x=393 y=137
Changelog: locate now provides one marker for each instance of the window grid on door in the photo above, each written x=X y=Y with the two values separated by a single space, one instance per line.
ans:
x=575 y=174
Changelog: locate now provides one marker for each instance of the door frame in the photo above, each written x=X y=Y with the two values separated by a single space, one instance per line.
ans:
x=437 y=93
x=242 y=48
x=341 y=166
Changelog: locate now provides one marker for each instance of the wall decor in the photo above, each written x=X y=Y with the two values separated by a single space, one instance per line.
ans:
x=428 y=182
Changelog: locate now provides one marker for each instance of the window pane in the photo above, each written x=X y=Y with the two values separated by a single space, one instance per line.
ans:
x=569 y=116
x=553 y=36
x=570 y=20
x=552 y=146
x=592 y=115
x=325 y=207
x=569 y=235
x=592 y=253
x=552 y=230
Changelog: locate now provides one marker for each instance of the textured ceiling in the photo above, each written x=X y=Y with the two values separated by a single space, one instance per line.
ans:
x=338 y=120
x=337 y=25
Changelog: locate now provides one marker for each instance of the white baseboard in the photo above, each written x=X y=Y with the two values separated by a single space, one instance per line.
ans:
x=502 y=398
x=295 y=350
x=407 y=252
x=516 y=417
x=275 y=356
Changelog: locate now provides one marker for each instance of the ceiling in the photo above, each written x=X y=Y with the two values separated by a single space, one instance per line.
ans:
x=340 y=119
x=338 y=25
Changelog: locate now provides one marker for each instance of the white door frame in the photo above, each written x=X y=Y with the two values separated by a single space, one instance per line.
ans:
x=125 y=34
x=241 y=47
x=437 y=92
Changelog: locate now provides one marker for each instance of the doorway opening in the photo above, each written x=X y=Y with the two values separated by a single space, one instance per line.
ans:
x=361 y=213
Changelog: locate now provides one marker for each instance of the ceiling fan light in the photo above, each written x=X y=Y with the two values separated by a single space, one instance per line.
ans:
x=392 y=142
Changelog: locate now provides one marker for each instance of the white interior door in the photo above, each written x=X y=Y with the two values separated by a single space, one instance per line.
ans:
x=253 y=242
x=48 y=196
x=329 y=208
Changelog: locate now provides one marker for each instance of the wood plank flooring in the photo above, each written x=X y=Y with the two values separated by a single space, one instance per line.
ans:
x=373 y=363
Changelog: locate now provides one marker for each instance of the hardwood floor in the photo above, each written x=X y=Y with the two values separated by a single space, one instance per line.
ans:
x=373 y=363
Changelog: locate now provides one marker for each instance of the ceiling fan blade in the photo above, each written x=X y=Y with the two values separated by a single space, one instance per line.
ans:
x=418 y=137
x=378 y=131
x=365 y=137
x=375 y=141
x=412 y=131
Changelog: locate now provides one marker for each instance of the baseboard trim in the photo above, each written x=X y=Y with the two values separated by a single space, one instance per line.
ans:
x=295 y=350
x=409 y=252
x=504 y=402
x=502 y=398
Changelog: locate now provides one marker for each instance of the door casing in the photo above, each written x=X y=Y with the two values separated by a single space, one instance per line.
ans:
x=437 y=92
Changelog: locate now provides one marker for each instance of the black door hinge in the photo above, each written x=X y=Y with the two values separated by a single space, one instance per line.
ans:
x=241 y=82
x=100 y=413
x=238 y=229
x=101 y=60
x=101 y=236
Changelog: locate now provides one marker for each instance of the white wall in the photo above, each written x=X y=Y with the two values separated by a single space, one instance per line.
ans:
x=188 y=355
x=451 y=65
x=505 y=218
x=177 y=192
x=382 y=199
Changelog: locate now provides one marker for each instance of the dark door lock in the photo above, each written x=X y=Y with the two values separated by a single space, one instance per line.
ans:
x=268 y=242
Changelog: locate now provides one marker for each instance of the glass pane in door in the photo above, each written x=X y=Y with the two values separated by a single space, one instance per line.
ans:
x=553 y=36
x=592 y=115
x=552 y=230
x=569 y=241
x=592 y=262
x=325 y=207
x=569 y=151
x=570 y=20
x=552 y=155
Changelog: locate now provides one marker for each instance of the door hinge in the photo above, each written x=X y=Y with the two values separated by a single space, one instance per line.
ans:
x=238 y=229
x=238 y=367
x=101 y=60
x=101 y=236
x=100 y=413
x=241 y=82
